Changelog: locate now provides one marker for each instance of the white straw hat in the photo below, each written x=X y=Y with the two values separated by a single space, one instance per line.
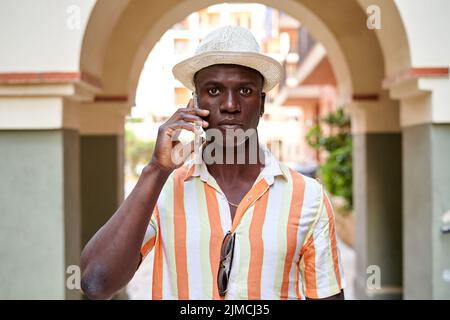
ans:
x=229 y=45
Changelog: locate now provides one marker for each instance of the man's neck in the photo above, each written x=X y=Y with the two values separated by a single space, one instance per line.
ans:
x=235 y=171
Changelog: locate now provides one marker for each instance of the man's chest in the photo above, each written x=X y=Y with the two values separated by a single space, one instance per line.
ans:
x=266 y=223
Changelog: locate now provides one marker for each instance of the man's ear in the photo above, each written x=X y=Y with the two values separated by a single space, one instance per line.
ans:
x=263 y=100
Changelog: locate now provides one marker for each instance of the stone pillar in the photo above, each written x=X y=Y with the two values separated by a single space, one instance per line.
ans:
x=425 y=120
x=102 y=163
x=377 y=191
x=39 y=194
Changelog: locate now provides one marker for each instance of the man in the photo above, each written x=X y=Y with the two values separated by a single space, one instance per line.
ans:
x=249 y=229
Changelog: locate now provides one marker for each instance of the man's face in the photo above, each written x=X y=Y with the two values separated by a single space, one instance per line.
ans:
x=233 y=95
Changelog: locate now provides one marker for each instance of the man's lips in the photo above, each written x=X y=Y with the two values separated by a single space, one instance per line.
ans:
x=229 y=124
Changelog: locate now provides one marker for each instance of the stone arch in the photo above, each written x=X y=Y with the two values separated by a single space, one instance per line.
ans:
x=117 y=44
x=120 y=35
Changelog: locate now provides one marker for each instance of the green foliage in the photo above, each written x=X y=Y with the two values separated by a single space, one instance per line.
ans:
x=137 y=152
x=336 y=171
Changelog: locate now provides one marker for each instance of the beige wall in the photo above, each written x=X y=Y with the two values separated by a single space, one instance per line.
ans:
x=427 y=25
x=38 y=35
x=405 y=23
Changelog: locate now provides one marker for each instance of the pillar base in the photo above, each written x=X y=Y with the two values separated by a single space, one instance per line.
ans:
x=40 y=224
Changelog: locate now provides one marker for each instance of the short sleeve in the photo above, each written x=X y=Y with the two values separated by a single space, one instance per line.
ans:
x=320 y=263
x=150 y=235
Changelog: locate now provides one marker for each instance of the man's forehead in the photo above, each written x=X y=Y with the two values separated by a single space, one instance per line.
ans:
x=227 y=71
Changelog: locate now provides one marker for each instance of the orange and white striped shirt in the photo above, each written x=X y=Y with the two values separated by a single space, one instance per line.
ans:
x=285 y=245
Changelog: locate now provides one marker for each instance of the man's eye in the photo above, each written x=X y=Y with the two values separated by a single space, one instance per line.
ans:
x=245 y=91
x=213 y=91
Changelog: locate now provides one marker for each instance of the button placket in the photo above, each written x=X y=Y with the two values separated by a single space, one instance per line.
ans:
x=255 y=193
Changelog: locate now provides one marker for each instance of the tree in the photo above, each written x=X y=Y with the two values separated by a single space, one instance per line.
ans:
x=336 y=171
x=137 y=152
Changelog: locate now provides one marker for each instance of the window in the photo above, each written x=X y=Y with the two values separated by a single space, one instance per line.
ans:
x=209 y=19
x=242 y=19
x=182 y=25
x=181 y=46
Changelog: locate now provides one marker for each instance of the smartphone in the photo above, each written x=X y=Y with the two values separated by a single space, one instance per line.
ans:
x=199 y=133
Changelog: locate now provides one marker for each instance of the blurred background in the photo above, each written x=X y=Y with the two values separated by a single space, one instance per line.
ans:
x=363 y=107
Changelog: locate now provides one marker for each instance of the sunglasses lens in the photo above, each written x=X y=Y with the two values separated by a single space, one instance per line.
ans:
x=229 y=246
x=222 y=281
x=225 y=263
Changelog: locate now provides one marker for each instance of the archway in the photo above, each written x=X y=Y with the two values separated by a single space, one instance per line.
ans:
x=67 y=86
x=115 y=48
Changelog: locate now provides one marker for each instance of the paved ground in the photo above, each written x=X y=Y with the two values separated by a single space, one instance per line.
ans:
x=348 y=262
x=141 y=285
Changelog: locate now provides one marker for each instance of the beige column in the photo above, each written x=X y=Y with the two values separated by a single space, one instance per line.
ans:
x=377 y=196
x=40 y=189
x=101 y=163
x=424 y=95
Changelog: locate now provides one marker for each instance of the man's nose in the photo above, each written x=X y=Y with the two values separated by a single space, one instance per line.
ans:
x=231 y=103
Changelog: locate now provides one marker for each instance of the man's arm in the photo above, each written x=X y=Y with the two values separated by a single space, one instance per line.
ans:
x=321 y=266
x=111 y=257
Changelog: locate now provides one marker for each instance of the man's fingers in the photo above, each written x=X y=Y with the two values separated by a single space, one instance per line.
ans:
x=174 y=129
x=197 y=111
x=181 y=125
x=194 y=118
x=176 y=134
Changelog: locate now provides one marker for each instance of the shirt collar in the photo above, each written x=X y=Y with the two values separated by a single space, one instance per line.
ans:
x=272 y=168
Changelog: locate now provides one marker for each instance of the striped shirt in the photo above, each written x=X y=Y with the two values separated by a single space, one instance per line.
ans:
x=285 y=246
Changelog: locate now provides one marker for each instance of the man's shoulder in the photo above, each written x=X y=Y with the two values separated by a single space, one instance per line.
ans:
x=307 y=180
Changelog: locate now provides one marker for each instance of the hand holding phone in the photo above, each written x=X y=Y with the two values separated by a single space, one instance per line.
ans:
x=199 y=133
x=170 y=153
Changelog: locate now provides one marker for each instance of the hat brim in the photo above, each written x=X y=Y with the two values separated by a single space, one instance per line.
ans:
x=270 y=69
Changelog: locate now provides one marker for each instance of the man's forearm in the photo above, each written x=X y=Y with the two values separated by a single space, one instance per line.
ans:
x=110 y=258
